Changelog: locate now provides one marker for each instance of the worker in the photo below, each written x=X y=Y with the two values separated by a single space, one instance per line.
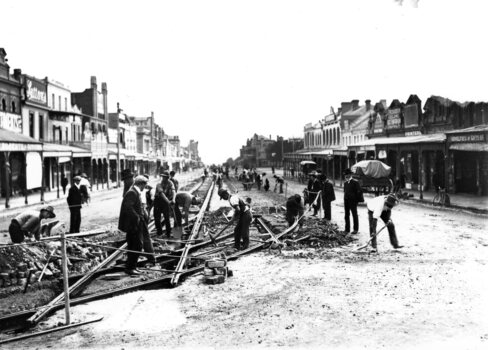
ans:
x=28 y=224
x=295 y=207
x=128 y=178
x=352 y=196
x=133 y=223
x=242 y=214
x=313 y=187
x=184 y=200
x=75 y=200
x=164 y=200
x=279 y=181
x=380 y=207
x=328 y=196
x=173 y=180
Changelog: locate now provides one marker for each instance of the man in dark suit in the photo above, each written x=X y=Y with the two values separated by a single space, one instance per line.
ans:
x=328 y=196
x=75 y=200
x=132 y=221
x=352 y=196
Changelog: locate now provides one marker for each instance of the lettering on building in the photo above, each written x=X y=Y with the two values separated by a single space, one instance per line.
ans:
x=394 y=121
x=12 y=122
x=467 y=138
x=36 y=92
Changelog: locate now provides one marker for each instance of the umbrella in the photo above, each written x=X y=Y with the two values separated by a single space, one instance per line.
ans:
x=305 y=162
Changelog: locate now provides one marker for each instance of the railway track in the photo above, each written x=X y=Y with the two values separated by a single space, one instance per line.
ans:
x=186 y=258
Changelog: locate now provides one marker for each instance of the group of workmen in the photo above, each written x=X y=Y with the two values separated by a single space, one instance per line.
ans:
x=139 y=198
x=320 y=192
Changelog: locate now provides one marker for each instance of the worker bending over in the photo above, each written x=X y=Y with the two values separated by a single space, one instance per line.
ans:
x=242 y=214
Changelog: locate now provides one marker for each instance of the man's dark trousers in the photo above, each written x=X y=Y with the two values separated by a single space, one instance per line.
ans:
x=75 y=220
x=351 y=207
x=163 y=209
x=385 y=216
x=135 y=243
x=241 y=231
x=327 y=210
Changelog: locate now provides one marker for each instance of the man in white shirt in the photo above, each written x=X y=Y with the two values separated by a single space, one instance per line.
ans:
x=380 y=207
x=243 y=216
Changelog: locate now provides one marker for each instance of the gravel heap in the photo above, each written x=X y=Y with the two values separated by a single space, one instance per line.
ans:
x=319 y=233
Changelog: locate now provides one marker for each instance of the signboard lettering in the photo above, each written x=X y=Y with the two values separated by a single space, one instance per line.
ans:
x=413 y=133
x=12 y=122
x=36 y=91
x=394 y=121
x=467 y=138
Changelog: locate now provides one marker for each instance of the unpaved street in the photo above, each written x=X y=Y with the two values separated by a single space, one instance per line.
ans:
x=431 y=294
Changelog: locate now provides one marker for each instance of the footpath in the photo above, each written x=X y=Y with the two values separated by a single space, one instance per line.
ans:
x=17 y=203
x=459 y=201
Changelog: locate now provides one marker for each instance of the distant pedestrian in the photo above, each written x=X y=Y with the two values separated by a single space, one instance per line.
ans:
x=259 y=181
x=85 y=188
x=279 y=182
x=328 y=196
x=28 y=224
x=380 y=207
x=266 y=184
x=272 y=169
x=242 y=214
x=75 y=200
x=352 y=196
x=64 y=182
x=295 y=207
x=132 y=222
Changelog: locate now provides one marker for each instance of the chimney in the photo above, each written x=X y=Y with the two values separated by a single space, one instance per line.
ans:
x=355 y=104
x=339 y=110
x=368 y=105
x=346 y=106
x=105 y=102
x=17 y=73
x=93 y=85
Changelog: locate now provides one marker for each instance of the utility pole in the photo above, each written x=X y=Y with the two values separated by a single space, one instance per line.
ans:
x=118 y=144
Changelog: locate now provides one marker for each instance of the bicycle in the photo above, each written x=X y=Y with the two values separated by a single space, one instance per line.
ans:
x=441 y=198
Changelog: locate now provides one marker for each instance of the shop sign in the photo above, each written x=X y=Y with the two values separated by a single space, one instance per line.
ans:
x=382 y=154
x=12 y=122
x=394 y=121
x=413 y=133
x=467 y=138
x=19 y=147
x=36 y=91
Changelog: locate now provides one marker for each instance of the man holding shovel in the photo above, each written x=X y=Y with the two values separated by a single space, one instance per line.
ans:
x=243 y=216
x=380 y=207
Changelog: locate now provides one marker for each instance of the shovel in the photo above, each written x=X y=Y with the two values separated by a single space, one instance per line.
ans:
x=367 y=244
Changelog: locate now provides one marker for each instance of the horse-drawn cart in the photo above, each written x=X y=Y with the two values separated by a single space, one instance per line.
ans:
x=373 y=176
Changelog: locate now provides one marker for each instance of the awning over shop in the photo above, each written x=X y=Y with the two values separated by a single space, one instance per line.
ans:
x=14 y=142
x=340 y=151
x=58 y=150
x=430 y=138
x=469 y=147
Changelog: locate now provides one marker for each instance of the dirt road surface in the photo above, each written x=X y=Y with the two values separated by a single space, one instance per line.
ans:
x=432 y=294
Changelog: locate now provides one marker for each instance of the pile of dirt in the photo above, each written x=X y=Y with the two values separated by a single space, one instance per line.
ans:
x=217 y=217
x=319 y=233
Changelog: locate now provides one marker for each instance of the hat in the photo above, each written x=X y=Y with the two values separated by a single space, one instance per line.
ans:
x=126 y=173
x=313 y=173
x=165 y=174
x=172 y=173
x=347 y=172
x=146 y=176
x=77 y=178
x=84 y=175
x=50 y=210
x=322 y=177
x=140 y=179
x=222 y=191
x=391 y=201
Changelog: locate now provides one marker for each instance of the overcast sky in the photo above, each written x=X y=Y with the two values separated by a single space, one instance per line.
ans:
x=220 y=71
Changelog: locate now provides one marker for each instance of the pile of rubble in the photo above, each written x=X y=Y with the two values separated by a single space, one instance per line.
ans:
x=319 y=233
x=217 y=217
x=29 y=262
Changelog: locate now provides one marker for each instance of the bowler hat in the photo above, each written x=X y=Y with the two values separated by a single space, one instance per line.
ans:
x=222 y=192
x=313 y=173
x=165 y=174
x=77 y=178
x=391 y=200
x=50 y=210
x=84 y=175
x=347 y=172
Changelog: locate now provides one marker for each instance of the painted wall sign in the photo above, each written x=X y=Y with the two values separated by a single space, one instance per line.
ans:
x=36 y=91
x=394 y=121
x=467 y=138
x=413 y=133
x=411 y=115
x=12 y=122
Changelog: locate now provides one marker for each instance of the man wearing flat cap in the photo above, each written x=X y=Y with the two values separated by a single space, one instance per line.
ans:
x=380 y=207
x=75 y=199
x=28 y=224
x=164 y=199
x=132 y=221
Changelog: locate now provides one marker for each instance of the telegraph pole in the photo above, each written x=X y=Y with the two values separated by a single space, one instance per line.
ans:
x=118 y=144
